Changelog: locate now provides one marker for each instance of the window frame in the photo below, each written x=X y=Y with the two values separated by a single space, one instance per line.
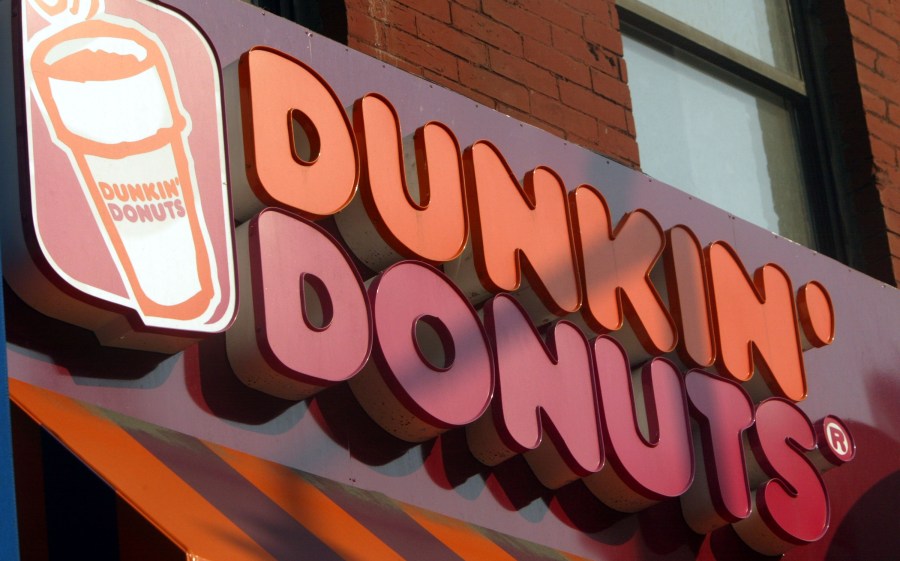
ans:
x=814 y=136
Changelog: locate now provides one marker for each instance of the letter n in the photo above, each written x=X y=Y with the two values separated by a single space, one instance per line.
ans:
x=756 y=325
x=521 y=231
x=545 y=399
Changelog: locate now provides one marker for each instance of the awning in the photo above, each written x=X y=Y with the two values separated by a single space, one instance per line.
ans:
x=215 y=503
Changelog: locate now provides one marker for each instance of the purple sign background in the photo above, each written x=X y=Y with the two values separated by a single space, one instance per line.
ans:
x=857 y=378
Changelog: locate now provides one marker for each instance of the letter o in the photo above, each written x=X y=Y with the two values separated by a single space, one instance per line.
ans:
x=404 y=388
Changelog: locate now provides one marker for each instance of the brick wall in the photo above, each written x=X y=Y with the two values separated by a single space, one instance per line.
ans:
x=874 y=27
x=556 y=64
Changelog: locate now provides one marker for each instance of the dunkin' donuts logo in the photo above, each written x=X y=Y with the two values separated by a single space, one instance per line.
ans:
x=666 y=353
x=126 y=139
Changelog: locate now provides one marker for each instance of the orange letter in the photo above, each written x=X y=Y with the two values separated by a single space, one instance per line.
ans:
x=298 y=145
x=431 y=226
x=816 y=315
x=756 y=325
x=616 y=274
x=518 y=231
x=687 y=292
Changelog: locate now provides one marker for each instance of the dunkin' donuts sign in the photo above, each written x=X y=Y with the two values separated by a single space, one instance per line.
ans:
x=459 y=295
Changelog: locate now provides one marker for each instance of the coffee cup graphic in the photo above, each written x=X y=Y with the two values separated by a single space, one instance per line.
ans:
x=108 y=93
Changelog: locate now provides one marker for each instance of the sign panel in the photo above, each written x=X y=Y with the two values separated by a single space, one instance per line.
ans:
x=442 y=303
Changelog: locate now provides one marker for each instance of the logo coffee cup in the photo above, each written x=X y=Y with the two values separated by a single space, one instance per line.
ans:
x=114 y=100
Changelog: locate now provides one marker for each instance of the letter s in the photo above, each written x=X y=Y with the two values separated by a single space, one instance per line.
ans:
x=791 y=501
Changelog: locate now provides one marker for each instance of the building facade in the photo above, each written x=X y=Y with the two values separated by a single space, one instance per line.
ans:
x=455 y=279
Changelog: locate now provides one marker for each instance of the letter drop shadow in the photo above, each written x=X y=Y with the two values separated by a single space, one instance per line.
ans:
x=214 y=385
x=77 y=349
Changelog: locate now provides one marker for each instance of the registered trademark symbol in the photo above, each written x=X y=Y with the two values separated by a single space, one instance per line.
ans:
x=837 y=439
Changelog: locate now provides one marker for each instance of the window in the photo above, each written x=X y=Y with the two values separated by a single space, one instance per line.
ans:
x=717 y=92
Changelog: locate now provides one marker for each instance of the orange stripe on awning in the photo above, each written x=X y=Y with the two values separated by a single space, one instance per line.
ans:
x=218 y=504
x=179 y=512
x=462 y=538
x=312 y=508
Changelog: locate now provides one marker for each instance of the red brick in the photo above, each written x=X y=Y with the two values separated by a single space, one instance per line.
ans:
x=571 y=44
x=888 y=68
x=553 y=12
x=444 y=36
x=892 y=220
x=882 y=151
x=867 y=34
x=886 y=24
x=618 y=144
x=894 y=113
x=421 y=53
x=894 y=244
x=890 y=197
x=596 y=8
x=603 y=34
x=557 y=62
x=864 y=54
x=361 y=27
x=888 y=7
x=588 y=102
x=527 y=24
x=858 y=10
x=478 y=97
x=393 y=15
x=523 y=116
x=589 y=143
x=396 y=15
x=610 y=64
x=493 y=85
x=610 y=88
x=887 y=177
x=883 y=129
x=877 y=83
x=614 y=18
x=874 y=104
x=487 y=29
x=437 y=9
x=572 y=121
x=520 y=70
x=401 y=63
x=439 y=79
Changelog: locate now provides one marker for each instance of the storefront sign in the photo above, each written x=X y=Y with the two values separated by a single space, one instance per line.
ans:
x=667 y=353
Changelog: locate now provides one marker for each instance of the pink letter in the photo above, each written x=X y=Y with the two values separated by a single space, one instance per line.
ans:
x=791 y=506
x=720 y=493
x=542 y=390
x=431 y=367
x=640 y=435
x=304 y=321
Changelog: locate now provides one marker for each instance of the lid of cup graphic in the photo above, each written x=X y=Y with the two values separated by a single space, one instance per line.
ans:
x=105 y=83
